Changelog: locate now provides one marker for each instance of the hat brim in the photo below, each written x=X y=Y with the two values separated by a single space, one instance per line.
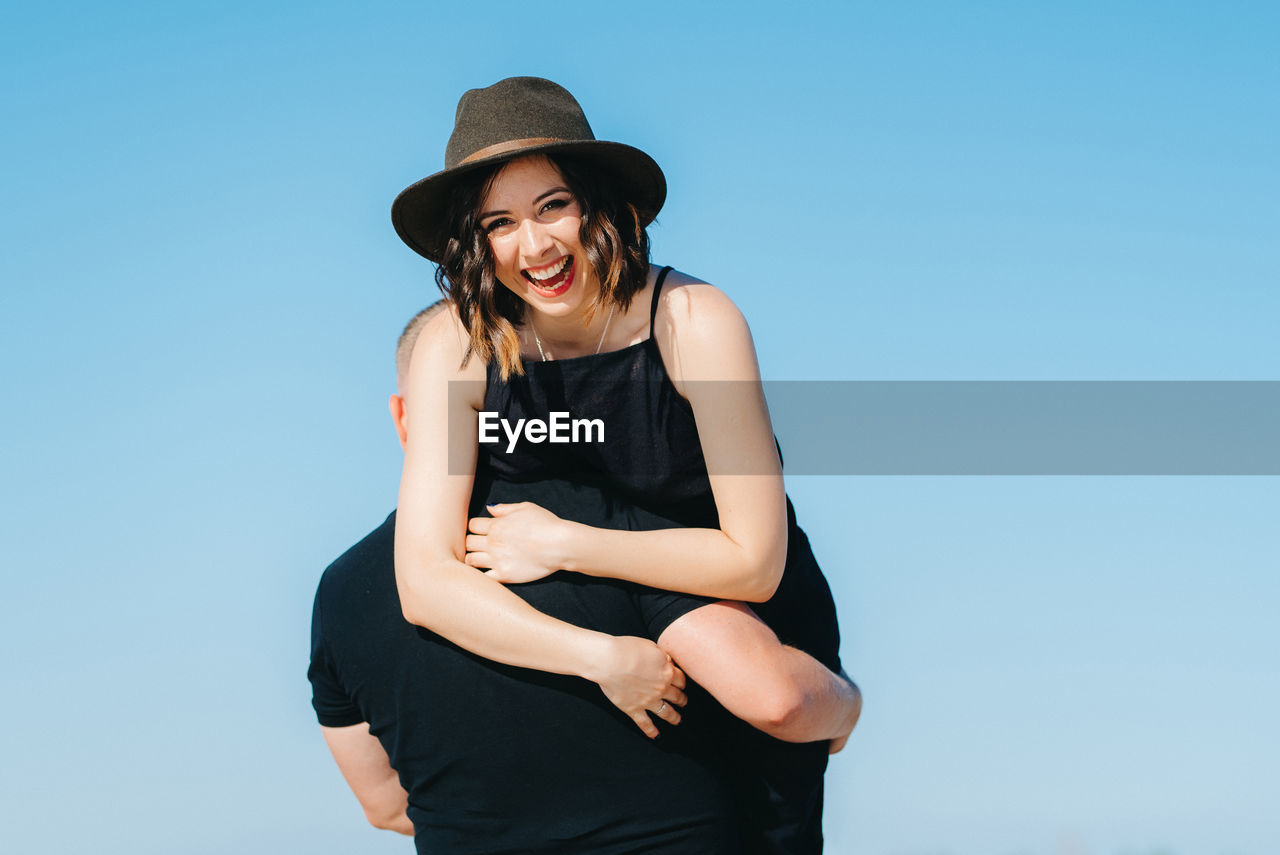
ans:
x=418 y=212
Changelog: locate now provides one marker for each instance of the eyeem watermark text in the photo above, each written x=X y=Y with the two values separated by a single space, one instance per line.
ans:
x=560 y=428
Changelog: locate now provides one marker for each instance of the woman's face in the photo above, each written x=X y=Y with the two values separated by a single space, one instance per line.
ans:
x=533 y=222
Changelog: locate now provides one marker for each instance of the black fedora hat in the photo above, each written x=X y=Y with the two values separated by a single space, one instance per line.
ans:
x=510 y=119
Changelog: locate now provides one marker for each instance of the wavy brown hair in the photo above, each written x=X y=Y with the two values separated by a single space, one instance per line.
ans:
x=615 y=243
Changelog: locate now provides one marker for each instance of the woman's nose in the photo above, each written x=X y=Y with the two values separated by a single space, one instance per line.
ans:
x=534 y=238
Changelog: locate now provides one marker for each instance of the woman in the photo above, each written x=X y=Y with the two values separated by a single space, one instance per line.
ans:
x=539 y=231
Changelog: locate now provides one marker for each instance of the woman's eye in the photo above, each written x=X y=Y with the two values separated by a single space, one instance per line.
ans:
x=495 y=225
x=554 y=204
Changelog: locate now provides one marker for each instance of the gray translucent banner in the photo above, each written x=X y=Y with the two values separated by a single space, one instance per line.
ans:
x=963 y=428
x=1027 y=428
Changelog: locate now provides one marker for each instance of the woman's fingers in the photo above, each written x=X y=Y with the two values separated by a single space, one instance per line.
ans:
x=676 y=697
x=503 y=508
x=667 y=712
x=479 y=525
x=477 y=542
x=479 y=559
x=640 y=679
x=646 y=724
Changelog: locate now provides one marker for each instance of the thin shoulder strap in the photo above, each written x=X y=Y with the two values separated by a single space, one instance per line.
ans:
x=657 y=289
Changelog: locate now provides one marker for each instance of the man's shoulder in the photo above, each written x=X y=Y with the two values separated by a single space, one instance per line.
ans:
x=369 y=560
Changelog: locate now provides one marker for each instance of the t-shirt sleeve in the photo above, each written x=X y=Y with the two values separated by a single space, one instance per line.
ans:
x=333 y=705
x=660 y=609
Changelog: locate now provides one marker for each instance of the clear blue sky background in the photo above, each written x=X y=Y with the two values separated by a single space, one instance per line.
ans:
x=201 y=291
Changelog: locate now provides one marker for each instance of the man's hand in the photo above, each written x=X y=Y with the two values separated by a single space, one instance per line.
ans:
x=838 y=743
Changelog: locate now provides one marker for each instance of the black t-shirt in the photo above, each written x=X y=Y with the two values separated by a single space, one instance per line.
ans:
x=777 y=787
x=501 y=759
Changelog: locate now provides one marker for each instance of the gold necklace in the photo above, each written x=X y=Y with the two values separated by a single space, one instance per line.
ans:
x=603 y=333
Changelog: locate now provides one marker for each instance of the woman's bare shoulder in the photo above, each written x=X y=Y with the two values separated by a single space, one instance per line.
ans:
x=688 y=304
x=700 y=331
x=438 y=358
x=443 y=340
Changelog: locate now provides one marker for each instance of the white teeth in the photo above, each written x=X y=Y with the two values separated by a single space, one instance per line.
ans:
x=548 y=272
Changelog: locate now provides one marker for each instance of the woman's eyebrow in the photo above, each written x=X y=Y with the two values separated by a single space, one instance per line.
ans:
x=551 y=192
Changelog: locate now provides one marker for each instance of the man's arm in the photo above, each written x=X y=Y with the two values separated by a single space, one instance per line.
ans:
x=365 y=765
x=781 y=690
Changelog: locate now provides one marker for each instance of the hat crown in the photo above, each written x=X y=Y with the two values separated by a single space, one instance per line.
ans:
x=517 y=108
x=513 y=118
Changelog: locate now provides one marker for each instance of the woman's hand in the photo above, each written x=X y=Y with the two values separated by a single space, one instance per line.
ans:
x=639 y=678
x=521 y=542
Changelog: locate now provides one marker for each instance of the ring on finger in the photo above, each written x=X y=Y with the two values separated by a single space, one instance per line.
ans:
x=660 y=708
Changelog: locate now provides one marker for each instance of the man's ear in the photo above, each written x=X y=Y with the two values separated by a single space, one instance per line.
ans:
x=400 y=417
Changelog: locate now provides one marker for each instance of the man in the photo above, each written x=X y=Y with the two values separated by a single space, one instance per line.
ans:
x=485 y=757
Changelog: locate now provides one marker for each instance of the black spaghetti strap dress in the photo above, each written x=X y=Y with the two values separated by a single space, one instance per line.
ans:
x=648 y=473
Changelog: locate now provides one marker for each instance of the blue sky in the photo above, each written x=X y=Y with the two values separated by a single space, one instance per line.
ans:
x=202 y=290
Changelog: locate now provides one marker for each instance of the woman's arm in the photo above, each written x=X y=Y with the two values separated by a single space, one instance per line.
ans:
x=707 y=348
x=440 y=592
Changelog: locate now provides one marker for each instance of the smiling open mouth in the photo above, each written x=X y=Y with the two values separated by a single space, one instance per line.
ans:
x=552 y=280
